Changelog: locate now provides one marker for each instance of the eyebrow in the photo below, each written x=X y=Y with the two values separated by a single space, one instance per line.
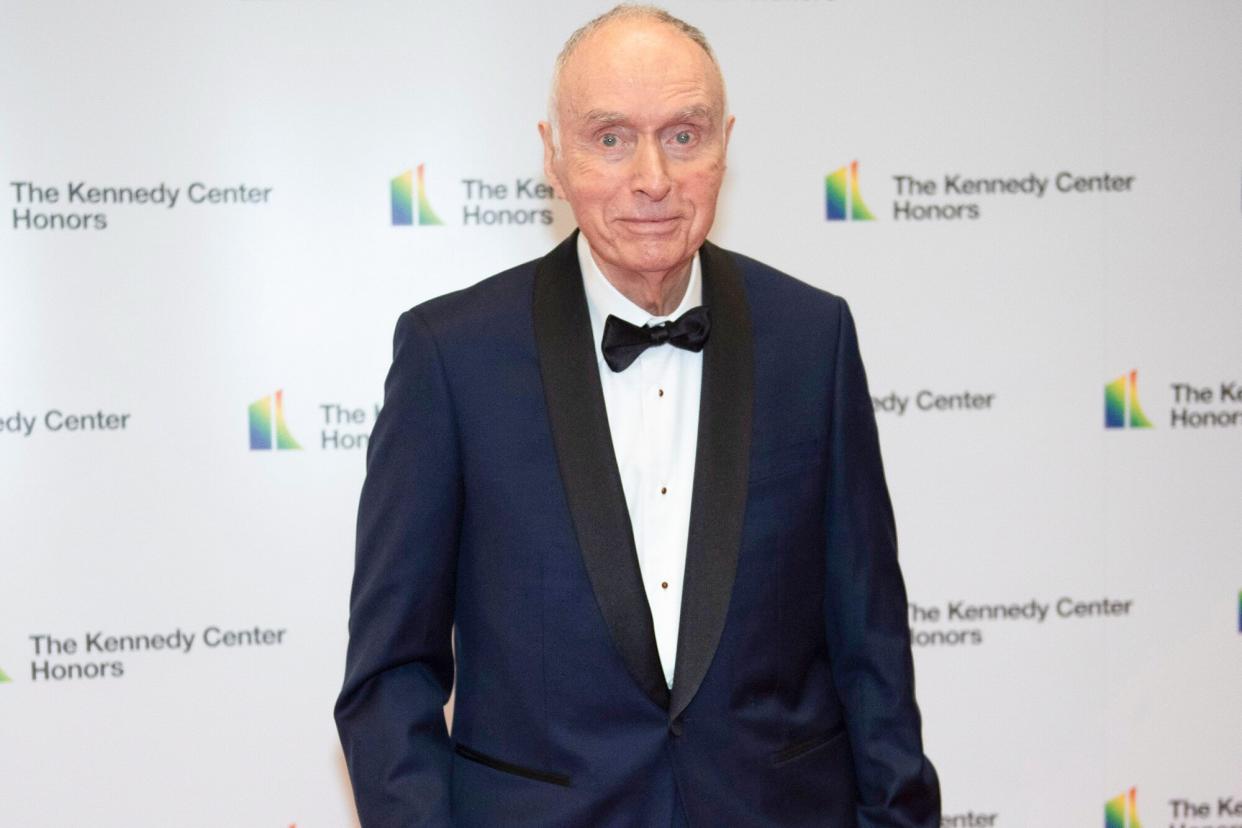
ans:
x=604 y=118
x=692 y=113
x=598 y=116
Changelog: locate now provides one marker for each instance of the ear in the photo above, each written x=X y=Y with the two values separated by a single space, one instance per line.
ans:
x=729 y=129
x=549 y=158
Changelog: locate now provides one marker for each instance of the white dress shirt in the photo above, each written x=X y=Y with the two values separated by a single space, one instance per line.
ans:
x=653 y=414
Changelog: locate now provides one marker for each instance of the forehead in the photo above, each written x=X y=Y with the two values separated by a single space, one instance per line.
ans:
x=636 y=66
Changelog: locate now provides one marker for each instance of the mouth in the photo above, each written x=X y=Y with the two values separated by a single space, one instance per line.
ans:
x=651 y=226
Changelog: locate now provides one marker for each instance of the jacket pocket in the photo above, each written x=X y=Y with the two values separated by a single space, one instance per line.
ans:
x=508 y=767
x=805 y=746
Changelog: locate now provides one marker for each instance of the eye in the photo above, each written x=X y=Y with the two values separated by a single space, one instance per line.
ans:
x=683 y=137
x=609 y=140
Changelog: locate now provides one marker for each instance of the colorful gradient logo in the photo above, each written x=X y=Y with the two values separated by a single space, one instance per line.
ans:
x=267 y=424
x=403 y=214
x=4 y=679
x=1121 y=403
x=1122 y=811
x=842 y=197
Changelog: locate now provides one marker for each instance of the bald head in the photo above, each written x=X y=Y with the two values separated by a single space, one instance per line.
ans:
x=633 y=17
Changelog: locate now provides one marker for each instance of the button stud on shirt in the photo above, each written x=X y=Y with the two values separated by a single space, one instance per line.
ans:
x=661 y=392
x=664 y=585
x=664 y=490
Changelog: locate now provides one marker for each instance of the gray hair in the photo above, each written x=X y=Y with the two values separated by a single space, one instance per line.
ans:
x=624 y=11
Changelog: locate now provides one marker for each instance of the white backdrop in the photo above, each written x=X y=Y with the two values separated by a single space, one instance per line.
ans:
x=1078 y=588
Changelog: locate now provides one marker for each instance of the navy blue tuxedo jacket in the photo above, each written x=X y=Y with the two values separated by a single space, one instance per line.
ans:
x=493 y=535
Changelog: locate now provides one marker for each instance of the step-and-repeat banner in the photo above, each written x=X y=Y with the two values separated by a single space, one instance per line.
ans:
x=212 y=214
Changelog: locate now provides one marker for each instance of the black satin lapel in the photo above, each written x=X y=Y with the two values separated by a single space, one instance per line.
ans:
x=588 y=463
x=721 y=467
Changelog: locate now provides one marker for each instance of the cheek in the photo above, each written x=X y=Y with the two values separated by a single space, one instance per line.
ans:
x=704 y=189
x=592 y=194
x=591 y=173
x=704 y=172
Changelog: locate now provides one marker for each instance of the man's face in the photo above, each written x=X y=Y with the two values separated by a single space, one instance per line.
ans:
x=642 y=145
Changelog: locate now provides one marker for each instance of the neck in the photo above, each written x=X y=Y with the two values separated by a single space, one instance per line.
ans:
x=659 y=292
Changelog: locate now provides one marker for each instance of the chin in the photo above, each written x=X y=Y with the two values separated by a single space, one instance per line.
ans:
x=657 y=254
x=654 y=262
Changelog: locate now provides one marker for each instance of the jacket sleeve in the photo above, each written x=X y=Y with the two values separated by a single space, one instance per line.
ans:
x=399 y=666
x=866 y=616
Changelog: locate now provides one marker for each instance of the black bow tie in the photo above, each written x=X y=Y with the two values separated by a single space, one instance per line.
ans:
x=623 y=342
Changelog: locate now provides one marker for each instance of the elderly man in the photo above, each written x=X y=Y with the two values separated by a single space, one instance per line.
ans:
x=640 y=478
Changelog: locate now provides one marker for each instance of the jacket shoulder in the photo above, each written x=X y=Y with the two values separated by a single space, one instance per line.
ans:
x=774 y=295
x=499 y=303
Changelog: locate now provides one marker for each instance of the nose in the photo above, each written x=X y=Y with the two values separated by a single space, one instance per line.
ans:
x=651 y=170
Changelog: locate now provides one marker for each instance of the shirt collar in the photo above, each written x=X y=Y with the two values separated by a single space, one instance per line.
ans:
x=604 y=300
